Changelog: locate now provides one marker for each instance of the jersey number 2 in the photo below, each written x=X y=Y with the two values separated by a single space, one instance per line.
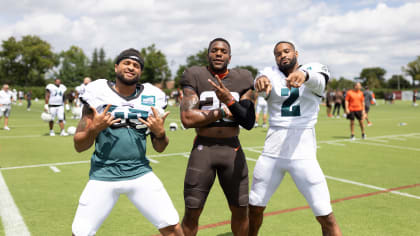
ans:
x=287 y=109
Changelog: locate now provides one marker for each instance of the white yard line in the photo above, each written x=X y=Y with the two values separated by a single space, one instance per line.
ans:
x=55 y=169
x=378 y=140
x=371 y=186
x=152 y=160
x=395 y=136
x=251 y=149
x=13 y=222
x=42 y=165
x=389 y=146
x=251 y=159
x=23 y=136
x=337 y=144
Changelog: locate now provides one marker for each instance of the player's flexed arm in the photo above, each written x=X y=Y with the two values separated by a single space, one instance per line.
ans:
x=91 y=124
x=192 y=116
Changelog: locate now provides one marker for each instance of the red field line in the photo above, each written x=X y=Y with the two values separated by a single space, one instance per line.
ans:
x=306 y=207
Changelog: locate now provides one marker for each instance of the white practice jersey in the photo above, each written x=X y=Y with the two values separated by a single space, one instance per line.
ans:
x=100 y=93
x=81 y=89
x=5 y=97
x=296 y=107
x=56 y=94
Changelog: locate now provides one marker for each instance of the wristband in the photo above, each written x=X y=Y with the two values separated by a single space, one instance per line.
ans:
x=222 y=111
x=46 y=107
x=231 y=102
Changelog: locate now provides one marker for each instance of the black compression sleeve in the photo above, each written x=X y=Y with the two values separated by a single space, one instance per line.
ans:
x=244 y=113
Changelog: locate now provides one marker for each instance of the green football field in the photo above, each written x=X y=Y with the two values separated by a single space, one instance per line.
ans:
x=374 y=183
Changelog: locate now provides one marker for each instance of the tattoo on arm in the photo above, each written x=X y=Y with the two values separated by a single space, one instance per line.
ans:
x=82 y=125
x=190 y=100
x=86 y=114
x=87 y=111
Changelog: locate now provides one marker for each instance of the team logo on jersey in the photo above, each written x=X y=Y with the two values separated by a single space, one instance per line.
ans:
x=148 y=100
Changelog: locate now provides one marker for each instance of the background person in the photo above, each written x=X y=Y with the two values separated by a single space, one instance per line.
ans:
x=355 y=108
x=28 y=97
x=261 y=107
x=338 y=99
x=369 y=99
x=6 y=99
x=54 y=104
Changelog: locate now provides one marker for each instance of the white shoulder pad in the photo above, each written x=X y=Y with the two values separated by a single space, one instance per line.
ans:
x=317 y=67
x=92 y=89
x=49 y=86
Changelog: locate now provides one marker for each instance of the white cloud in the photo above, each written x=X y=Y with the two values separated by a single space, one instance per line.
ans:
x=346 y=36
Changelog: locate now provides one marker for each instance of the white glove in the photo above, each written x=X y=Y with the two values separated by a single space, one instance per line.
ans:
x=46 y=108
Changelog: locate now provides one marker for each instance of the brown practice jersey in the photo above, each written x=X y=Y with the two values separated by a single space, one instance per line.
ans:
x=238 y=81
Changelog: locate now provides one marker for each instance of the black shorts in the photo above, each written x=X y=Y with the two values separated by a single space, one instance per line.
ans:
x=216 y=156
x=367 y=108
x=357 y=114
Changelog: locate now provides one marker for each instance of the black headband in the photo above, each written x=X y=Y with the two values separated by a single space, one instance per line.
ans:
x=132 y=54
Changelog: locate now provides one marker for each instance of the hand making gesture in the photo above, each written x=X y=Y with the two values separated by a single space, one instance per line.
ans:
x=295 y=79
x=100 y=121
x=263 y=84
x=155 y=122
x=222 y=93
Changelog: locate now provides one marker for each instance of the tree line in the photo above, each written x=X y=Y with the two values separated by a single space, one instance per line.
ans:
x=31 y=62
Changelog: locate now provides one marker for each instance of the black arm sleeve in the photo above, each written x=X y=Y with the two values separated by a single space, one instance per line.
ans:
x=244 y=113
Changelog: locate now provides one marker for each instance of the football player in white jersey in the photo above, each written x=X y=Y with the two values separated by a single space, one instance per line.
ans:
x=293 y=94
x=116 y=119
x=6 y=99
x=81 y=89
x=54 y=104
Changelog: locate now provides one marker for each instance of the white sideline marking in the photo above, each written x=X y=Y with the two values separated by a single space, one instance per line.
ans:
x=390 y=146
x=151 y=160
x=251 y=159
x=338 y=144
x=55 y=169
x=371 y=186
x=10 y=216
x=252 y=149
x=378 y=140
x=41 y=165
x=23 y=136
x=396 y=138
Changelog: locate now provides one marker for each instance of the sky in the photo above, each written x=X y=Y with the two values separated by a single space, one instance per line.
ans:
x=347 y=36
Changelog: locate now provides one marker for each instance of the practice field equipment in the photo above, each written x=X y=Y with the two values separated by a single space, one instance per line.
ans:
x=47 y=117
x=71 y=130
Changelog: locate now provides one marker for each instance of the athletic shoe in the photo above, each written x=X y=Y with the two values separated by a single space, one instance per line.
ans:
x=352 y=137
x=370 y=124
x=264 y=126
x=363 y=136
x=338 y=117
x=256 y=125
x=63 y=133
x=52 y=133
x=6 y=128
